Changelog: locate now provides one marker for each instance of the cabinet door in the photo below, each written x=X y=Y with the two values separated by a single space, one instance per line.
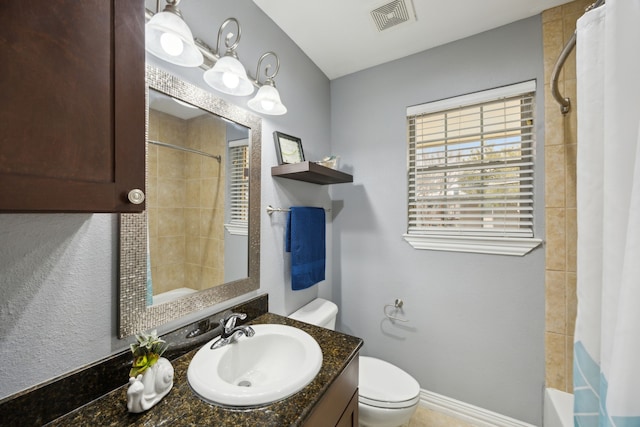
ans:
x=336 y=407
x=72 y=116
x=349 y=417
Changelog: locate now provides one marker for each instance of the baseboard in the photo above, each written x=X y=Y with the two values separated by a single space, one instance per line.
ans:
x=466 y=412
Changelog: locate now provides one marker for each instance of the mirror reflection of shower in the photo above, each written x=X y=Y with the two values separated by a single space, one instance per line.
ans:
x=188 y=200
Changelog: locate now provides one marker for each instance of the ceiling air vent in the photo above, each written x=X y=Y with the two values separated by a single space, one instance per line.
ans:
x=394 y=13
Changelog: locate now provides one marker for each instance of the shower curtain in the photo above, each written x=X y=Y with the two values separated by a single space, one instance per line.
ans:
x=607 y=335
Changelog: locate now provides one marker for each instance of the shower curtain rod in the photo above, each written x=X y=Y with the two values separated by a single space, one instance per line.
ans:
x=565 y=103
x=188 y=150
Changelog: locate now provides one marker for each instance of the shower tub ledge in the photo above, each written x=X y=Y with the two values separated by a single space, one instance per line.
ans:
x=558 y=408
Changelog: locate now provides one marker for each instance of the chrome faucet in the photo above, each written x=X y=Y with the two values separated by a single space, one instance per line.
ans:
x=231 y=332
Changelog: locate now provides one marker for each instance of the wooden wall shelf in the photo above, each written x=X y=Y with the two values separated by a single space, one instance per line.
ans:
x=311 y=172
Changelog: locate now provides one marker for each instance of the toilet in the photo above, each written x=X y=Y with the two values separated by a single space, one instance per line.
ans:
x=388 y=396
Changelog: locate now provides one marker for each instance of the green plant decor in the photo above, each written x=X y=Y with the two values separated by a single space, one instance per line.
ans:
x=146 y=352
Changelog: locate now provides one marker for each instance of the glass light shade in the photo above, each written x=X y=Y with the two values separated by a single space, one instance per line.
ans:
x=267 y=101
x=169 y=38
x=229 y=76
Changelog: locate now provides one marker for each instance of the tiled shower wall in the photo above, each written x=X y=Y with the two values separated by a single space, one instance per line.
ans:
x=185 y=202
x=559 y=24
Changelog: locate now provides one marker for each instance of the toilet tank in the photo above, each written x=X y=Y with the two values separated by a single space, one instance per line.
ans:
x=319 y=312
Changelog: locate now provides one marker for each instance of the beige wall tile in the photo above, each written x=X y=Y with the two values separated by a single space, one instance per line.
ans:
x=171 y=192
x=171 y=129
x=168 y=277
x=212 y=251
x=572 y=303
x=569 y=363
x=570 y=175
x=193 y=166
x=152 y=161
x=554 y=176
x=554 y=120
x=192 y=222
x=211 y=169
x=192 y=195
x=193 y=254
x=571 y=119
x=552 y=38
x=211 y=223
x=555 y=302
x=171 y=250
x=561 y=236
x=556 y=358
x=556 y=239
x=153 y=129
x=549 y=63
x=153 y=249
x=572 y=239
x=211 y=277
x=152 y=222
x=171 y=222
x=171 y=163
x=552 y=14
x=211 y=192
x=193 y=276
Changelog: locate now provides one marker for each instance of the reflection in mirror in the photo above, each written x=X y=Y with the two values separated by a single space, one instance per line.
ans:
x=197 y=181
x=198 y=242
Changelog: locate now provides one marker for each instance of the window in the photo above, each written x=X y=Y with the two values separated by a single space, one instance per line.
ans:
x=238 y=187
x=471 y=166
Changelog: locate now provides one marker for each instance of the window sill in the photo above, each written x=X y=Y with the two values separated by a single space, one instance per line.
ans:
x=237 y=229
x=482 y=245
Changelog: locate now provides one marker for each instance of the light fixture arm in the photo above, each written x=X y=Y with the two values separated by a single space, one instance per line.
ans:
x=268 y=77
x=230 y=46
x=172 y=6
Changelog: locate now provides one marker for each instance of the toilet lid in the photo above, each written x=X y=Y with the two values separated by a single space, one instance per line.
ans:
x=385 y=385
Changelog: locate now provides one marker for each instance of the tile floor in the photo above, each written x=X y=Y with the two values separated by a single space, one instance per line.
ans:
x=425 y=417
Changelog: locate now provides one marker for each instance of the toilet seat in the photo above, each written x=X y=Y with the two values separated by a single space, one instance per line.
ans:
x=384 y=385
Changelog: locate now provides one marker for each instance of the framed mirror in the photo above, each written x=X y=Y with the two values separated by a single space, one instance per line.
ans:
x=198 y=242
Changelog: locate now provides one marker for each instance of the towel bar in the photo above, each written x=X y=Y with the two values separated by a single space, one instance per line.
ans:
x=271 y=209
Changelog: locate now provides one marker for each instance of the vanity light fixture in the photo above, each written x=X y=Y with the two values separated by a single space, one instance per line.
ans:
x=226 y=74
x=169 y=38
x=267 y=100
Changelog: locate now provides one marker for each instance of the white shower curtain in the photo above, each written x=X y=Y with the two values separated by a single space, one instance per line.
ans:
x=607 y=335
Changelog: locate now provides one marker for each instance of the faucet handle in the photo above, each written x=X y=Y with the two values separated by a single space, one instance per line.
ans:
x=229 y=321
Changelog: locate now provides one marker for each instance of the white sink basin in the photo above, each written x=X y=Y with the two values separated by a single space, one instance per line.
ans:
x=275 y=363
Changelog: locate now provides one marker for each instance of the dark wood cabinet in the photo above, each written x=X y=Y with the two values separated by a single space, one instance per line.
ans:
x=349 y=417
x=72 y=115
x=339 y=405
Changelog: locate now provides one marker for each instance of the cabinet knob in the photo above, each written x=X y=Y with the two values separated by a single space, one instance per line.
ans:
x=136 y=196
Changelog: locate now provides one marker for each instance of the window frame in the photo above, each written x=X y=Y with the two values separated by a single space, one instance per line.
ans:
x=458 y=239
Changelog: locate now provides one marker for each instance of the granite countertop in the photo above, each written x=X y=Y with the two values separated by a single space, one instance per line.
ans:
x=181 y=407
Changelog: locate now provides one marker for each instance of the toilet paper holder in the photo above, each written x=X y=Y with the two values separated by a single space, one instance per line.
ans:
x=397 y=305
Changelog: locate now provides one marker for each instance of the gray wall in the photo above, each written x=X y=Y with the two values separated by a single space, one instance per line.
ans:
x=58 y=301
x=476 y=321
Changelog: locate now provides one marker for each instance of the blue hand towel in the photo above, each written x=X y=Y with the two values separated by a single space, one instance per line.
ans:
x=305 y=239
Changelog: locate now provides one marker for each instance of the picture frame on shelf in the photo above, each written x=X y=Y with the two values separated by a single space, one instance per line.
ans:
x=288 y=148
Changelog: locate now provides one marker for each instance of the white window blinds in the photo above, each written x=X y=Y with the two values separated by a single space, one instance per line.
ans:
x=239 y=184
x=471 y=166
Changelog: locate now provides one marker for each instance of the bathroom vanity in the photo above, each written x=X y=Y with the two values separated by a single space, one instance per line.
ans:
x=330 y=399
